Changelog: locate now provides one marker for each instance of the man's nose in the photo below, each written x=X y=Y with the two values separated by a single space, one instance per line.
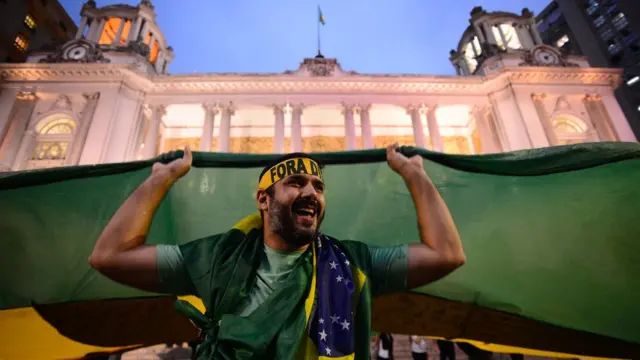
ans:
x=309 y=191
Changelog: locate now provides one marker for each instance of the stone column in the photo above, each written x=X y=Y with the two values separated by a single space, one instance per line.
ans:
x=83 y=24
x=538 y=102
x=206 y=140
x=526 y=40
x=18 y=122
x=153 y=131
x=616 y=118
x=296 y=127
x=96 y=28
x=116 y=40
x=224 y=138
x=278 y=139
x=143 y=32
x=349 y=126
x=488 y=138
x=488 y=29
x=80 y=137
x=134 y=30
x=418 y=130
x=26 y=146
x=599 y=117
x=434 y=129
x=534 y=31
x=365 y=126
x=7 y=100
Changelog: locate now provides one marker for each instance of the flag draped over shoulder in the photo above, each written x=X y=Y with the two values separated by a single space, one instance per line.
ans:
x=550 y=236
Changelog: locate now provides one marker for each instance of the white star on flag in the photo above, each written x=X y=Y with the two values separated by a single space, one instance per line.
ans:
x=333 y=265
x=347 y=262
x=339 y=278
x=323 y=335
x=345 y=325
x=321 y=321
x=334 y=319
x=327 y=350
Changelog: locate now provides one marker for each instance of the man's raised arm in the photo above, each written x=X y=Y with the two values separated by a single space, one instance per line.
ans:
x=440 y=251
x=120 y=252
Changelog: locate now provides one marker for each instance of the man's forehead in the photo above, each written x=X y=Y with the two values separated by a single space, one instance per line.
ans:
x=305 y=177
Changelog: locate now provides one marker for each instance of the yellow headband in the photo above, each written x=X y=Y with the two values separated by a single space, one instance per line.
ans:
x=287 y=168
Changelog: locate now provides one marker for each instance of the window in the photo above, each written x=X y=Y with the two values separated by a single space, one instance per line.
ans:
x=614 y=48
x=592 y=7
x=620 y=21
x=606 y=34
x=21 y=42
x=62 y=26
x=570 y=130
x=52 y=141
x=30 y=22
x=563 y=40
x=599 y=21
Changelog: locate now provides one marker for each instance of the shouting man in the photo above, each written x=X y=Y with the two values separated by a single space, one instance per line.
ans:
x=274 y=286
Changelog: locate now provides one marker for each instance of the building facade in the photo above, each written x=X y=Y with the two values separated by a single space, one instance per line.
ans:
x=26 y=25
x=607 y=33
x=106 y=97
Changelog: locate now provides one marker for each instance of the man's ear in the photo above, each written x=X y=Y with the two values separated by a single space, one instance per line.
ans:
x=262 y=200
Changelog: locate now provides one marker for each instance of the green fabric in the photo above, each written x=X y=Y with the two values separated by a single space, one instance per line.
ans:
x=388 y=272
x=223 y=269
x=550 y=234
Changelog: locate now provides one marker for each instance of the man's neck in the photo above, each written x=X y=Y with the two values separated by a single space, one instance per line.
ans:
x=276 y=242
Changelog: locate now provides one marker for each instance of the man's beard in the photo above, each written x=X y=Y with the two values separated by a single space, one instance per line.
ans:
x=282 y=221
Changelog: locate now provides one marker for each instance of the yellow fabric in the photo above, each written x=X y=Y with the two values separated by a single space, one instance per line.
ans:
x=287 y=168
x=496 y=348
x=26 y=335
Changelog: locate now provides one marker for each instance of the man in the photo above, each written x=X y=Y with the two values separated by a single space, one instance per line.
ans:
x=274 y=286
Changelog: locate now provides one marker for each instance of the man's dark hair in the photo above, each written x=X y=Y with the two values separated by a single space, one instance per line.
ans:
x=282 y=158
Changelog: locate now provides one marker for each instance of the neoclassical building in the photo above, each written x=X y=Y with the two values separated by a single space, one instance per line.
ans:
x=106 y=96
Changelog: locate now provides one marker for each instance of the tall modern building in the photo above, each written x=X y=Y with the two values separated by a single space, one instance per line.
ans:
x=607 y=33
x=27 y=25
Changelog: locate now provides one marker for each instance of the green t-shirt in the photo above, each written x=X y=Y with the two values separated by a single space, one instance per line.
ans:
x=388 y=272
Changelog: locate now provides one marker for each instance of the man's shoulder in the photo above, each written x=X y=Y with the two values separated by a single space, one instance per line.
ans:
x=356 y=250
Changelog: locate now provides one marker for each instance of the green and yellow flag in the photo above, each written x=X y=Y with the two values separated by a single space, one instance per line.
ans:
x=320 y=16
x=551 y=237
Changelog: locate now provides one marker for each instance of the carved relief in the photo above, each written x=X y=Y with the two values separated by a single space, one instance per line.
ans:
x=173 y=144
x=382 y=141
x=62 y=103
x=319 y=66
x=26 y=95
x=77 y=51
x=323 y=143
x=545 y=55
x=562 y=104
x=456 y=145
x=251 y=145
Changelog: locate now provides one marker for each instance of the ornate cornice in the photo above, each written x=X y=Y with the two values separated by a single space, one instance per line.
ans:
x=280 y=83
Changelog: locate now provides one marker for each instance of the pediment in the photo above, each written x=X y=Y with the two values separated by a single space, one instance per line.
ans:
x=320 y=66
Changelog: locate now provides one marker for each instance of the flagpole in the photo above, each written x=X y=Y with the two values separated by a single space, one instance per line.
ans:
x=318 y=21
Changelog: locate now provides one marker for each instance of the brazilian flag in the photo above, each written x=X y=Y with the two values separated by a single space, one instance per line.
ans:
x=551 y=237
x=320 y=16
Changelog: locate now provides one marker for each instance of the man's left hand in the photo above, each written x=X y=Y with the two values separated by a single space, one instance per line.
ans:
x=402 y=164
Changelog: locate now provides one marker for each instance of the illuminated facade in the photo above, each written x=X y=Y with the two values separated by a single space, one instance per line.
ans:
x=106 y=97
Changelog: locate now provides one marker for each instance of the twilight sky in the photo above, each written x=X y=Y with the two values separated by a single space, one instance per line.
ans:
x=368 y=36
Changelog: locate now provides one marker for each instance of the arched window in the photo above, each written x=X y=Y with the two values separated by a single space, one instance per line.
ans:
x=52 y=139
x=570 y=130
